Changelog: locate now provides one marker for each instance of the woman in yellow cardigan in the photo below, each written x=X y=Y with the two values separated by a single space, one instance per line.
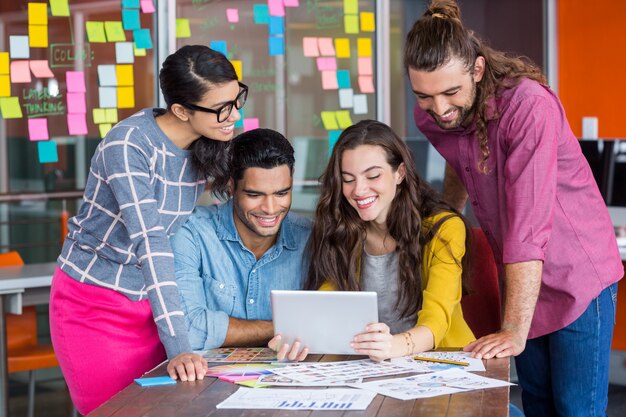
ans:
x=379 y=227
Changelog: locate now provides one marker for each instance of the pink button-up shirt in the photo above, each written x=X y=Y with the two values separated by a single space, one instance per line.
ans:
x=539 y=200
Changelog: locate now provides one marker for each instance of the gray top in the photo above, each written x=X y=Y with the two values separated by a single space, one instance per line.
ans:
x=380 y=274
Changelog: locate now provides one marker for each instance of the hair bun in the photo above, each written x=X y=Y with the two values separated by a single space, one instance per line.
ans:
x=444 y=9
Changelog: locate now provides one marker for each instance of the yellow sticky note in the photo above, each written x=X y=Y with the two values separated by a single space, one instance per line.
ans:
x=182 y=28
x=59 y=8
x=37 y=13
x=10 y=108
x=329 y=120
x=99 y=116
x=351 y=24
x=343 y=118
x=38 y=36
x=4 y=62
x=95 y=32
x=114 y=31
x=368 y=22
x=364 y=47
x=110 y=115
x=138 y=51
x=5 y=86
x=342 y=46
x=238 y=69
x=104 y=129
x=124 y=74
x=125 y=97
x=350 y=6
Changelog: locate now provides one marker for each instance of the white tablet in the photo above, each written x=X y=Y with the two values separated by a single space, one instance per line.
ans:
x=324 y=321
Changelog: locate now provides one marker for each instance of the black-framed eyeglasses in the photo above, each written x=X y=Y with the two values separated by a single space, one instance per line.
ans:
x=224 y=112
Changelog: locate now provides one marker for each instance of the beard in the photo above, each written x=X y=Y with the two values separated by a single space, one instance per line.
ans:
x=464 y=113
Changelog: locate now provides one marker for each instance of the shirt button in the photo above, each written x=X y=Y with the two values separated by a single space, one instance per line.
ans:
x=221 y=286
x=254 y=271
x=252 y=301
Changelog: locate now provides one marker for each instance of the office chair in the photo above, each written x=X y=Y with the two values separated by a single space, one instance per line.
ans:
x=481 y=308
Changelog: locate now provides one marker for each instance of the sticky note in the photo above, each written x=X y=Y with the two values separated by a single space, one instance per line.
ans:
x=95 y=32
x=147 y=6
x=292 y=3
x=276 y=45
x=130 y=19
x=114 y=31
x=326 y=64
x=326 y=46
x=142 y=38
x=98 y=116
x=104 y=129
x=20 y=72
x=350 y=6
x=366 y=83
x=333 y=136
x=360 y=104
x=261 y=14
x=183 y=30
x=18 y=47
x=329 y=80
x=157 y=380
x=138 y=51
x=346 y=100
x=238 y=69
x=130 y=4
x=351 y=24
x=107 y=76
x=309 y=46
x=343 y=118
x=38 y=129
x=110 y=115
x=232 y=15
x=329 y=120
x=365 y=66
x=124 y=75
x=219 y=46
x=343 y=79
x=59 y=8
x=368 y=22
x=277 y=25
x=76 y=103
x=276 y=7
x=364 y=47
x=47 y=151
x=4 y=62
x=10 y=108
x=41 y=69
x=38 y=36
x=124 y=53
x=107 y=97
x=126 y=97
x=239 y=123
x=5 y=86
x=75 y=81
x=77 y=124
x=250 y=123
x=37 y=13
x=342 y=46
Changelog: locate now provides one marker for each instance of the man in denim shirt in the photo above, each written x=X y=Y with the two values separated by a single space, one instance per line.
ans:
x=229 y=256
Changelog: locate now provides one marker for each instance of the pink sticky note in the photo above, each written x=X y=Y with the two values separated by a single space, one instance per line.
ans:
x=327 y=48
x=366 y=83
x=75 y=81
x=41 y=69
x=276 y=7
x=20 y=72
x=147 y=6
x=38 y=129
x=365 y=66
x=76 y=103
x=77 y=124
x=238 y=378
x=292 y=3
x=232 y=15
x=326 y=64
x=309 y=45
x=329 y=80
x=249 y=124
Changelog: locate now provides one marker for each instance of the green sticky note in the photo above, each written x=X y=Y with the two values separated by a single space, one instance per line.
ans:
x=329 y=120
x=350 y=6
x=114 y=31
x=351 y=24
x=99 y=116
x=47 y=151
x=343 y=118
x=104 y=129
x=59 y=7
x=182 y=28
x=110 y=115
x=95 y=32
x=10 y=108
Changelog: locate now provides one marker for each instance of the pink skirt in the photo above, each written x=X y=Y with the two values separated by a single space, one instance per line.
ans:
x=102 y=339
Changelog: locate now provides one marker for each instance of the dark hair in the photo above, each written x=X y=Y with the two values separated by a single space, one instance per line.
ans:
x=439 y=36
x=186 y=76
x=259 y=148
x=336 y=242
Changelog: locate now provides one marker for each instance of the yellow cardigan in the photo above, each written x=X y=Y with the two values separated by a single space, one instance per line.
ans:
x=441 y=284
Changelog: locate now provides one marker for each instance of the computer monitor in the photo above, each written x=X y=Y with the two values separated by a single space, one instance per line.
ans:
x=607 y=159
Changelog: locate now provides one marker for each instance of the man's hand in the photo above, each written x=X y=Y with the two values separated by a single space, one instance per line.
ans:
x=497 y=345
x=292 y=353
x=188 y=366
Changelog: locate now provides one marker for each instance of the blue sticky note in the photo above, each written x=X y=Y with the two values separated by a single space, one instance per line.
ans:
x=219 y=46
x=261 y=14
x=47 y=151
x=133 y=4
x=130 y=19
x=277 y=25
x=343 y=79
x=154 y=381
x=333 y=135
x=276 y=45
x=239 y=123
x=142 y=38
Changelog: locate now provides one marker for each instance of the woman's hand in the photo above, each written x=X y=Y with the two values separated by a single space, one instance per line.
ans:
x=293 y=354
x=376 y=342
x=188 y=366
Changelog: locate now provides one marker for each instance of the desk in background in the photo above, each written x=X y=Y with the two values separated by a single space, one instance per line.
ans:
x=200 y=398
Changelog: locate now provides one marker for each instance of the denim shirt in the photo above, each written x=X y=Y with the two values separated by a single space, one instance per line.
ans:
x=219 y=277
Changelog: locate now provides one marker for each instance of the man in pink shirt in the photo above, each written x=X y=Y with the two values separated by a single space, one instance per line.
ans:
x=509 y=148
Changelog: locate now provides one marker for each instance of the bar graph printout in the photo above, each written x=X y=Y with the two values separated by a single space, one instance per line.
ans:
x=299 y=399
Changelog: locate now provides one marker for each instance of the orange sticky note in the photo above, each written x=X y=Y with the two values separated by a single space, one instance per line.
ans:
x=342 y=46
x=38 y=36
x=238 y=69
x=125 y=97
x=5 y=86
x=124 y=75
x=368 y=22
x=37 y=13
x=4 y=62
x=364 y=47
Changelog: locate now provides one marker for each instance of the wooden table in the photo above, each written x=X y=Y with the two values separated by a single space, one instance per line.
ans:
x=199 y=399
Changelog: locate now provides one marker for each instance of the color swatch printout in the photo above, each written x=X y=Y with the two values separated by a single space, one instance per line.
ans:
x=239 y=355
x=423 y=366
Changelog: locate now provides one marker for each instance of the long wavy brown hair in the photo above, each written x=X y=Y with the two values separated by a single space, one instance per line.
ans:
x=338 y=234
x=439 y=36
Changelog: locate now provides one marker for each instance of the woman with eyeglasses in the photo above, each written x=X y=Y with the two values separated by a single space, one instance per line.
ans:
x=114 y=307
